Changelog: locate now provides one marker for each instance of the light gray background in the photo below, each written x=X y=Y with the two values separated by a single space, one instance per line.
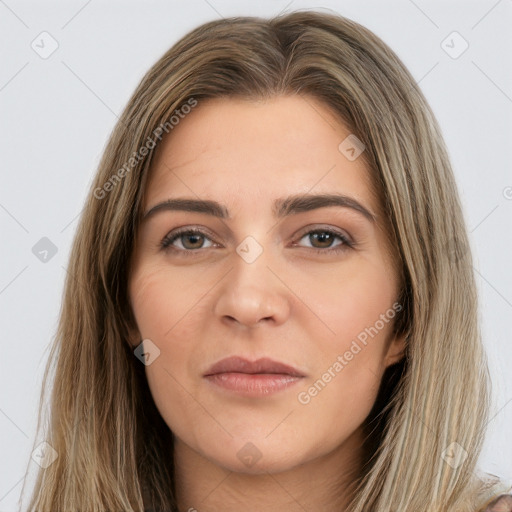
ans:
x=56 y=114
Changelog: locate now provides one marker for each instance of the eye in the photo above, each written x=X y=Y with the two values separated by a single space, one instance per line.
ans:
x=325 y=238
x=192 y=238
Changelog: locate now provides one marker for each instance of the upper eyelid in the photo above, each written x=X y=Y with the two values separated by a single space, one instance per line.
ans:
x=321 y=227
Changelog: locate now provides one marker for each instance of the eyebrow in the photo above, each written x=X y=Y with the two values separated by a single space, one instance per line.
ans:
x=282 y=207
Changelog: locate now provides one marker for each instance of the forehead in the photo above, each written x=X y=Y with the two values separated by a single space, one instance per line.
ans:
x=246 y=153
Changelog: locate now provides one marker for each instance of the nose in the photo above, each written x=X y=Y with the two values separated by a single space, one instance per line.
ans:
x=252 y=294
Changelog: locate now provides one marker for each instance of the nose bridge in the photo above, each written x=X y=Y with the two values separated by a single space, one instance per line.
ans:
x=251 y=291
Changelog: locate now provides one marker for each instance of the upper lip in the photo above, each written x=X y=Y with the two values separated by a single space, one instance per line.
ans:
x=240 y=365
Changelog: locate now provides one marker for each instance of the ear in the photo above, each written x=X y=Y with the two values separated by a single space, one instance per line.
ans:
x=395 y=350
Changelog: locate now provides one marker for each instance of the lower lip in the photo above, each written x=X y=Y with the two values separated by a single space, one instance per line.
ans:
x=255 y=384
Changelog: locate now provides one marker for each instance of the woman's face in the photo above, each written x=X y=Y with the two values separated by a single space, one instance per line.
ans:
x=272 y=273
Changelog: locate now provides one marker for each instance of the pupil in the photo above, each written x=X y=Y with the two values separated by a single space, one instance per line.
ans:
x=323 y=235
x=192 y=237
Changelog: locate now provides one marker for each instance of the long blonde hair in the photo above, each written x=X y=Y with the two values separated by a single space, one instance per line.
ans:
x=114 y=450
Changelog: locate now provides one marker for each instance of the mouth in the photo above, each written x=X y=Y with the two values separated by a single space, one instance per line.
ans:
x=262 y=377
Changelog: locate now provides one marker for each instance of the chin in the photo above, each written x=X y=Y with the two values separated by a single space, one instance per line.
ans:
x=254 y=457
x=263 y=466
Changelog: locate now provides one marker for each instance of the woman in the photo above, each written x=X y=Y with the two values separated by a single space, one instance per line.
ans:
x=261 y=369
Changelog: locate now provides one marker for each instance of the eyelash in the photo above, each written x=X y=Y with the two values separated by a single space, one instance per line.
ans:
x=165 y=244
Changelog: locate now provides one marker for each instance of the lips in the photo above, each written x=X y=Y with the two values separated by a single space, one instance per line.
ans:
x=252 y=379
x=236 y=364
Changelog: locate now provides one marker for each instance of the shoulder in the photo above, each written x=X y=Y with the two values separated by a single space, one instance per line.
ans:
x=502 y=503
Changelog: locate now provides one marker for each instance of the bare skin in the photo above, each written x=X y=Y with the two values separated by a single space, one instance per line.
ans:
x=298 y=302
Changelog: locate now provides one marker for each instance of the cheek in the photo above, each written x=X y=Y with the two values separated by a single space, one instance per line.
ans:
x=334 y=407
x=344 y=386
x=352 y=304
x=359 y=310
x=148 y=300
x=171 y=316
x=163 y=305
